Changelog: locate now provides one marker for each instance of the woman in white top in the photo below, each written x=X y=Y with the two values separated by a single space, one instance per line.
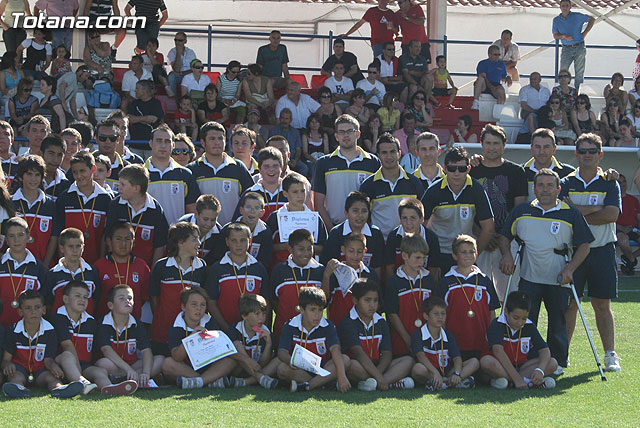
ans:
x=634 y=94
x=229 y=90
x=195 y=81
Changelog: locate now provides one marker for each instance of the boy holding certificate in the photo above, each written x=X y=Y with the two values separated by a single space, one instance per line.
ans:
x=194 y=318
x=313 y=332
x=282 y=222
x=253 y=342
x=366 y=336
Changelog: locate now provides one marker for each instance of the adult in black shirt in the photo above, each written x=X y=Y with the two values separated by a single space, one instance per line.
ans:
x=145 y=113
x=349 y=60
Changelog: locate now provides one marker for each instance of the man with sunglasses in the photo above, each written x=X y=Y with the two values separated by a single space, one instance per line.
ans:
x=373 y=88
x=121 y=119
x=491 y=73
x=107 y=134
x=389 y=75
x=350 y=61
x=180 y=58
x=600 y=202
x=452 y=203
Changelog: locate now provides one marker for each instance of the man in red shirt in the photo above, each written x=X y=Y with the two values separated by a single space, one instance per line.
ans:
x=410 y=17
x=627 y=228
x=383 y=26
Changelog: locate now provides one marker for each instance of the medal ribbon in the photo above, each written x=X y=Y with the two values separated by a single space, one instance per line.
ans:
x=35 y=217
x=517 y=344
x=30 y=347
x=464 y=293
x=85 y=220
x=242 y=290
x=16 y=289
x=296 y=279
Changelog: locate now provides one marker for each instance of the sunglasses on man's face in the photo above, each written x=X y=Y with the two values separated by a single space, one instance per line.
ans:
x=581 y=102
x=184 y=151
x=179 y=40
x=592 y=151
x=198 y=67
x=459 y=168
x=104 y=138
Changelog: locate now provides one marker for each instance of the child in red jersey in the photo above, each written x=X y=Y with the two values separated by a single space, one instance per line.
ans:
x=120 y=266
x=471 y=300
x=30 y=353
x=439 y=364
x=185 y=118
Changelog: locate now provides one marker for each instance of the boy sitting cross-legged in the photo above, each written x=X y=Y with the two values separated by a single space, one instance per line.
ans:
x=439 y=364
x=366 y=337
x=121 y=336
x=253 y=342
x=30 y=353
x=312 y=331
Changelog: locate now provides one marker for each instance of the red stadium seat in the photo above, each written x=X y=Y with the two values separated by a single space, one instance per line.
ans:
x=301 y=79
x=213 y=75
x=317 y=81
x=118 y=75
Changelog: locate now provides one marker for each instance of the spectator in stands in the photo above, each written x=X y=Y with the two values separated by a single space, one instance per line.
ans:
x=532 y=96
x=408 y=122
x=145 y=113
x=38 y=57
x=148 y=9
x=195 y=83
x=509 y=53
x=442 y=78
x=562 y=129
x=634 y=117
x=383 y=26
x=329 y=112
x=414 y=68
x=184 y=152
x=410 y=18
x=13 y=34
x=389 y=73
x=636 y=66
x=274 y=60
x=252 y=123
x=292 y=135
x=567 y=27
x=153 y=62
x=300 y=105
x=389 y=112
x=350 y=61
x=180 y=58
x=60 y=8
x=634 y=94
x=315 y=143
x=211 y=109
x=99 y=8
x=615 y=89
x=185 y=118
x=68 y=86
x=122 y=121
x=462 y=132
x=258 y=91
x=10 y=75
x=370 y=133
x=61 y=63
x=626 y=138
x=22 y=106
x=418 y=106
x=97 y=56
x=341 y=87
x=135 y=74
x=568 y=94
x=50 y=104
x=610 y=120
x=373 y=88
x=491 y=73
x=228 y=85
x=357 y=108
x=582 y=118
x=627 y=228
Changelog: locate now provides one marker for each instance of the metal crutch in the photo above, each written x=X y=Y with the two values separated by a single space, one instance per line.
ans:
x=515 y=262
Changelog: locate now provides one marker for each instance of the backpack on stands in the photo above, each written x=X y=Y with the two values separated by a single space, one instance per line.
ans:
x=103 y=96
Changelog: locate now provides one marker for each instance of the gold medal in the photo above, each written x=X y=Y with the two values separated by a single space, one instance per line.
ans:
x=470 y=313
x=30 y=240
x=417 y=323
x=87 y=235
x=14 y=304
x=30 y=378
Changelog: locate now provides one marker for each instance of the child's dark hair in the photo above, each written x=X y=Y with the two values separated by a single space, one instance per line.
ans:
x=312 y=296
x=456 y=154
x=28 y=295
x=180 y=232
x=53 y=140
x=518 y=300
x=433 y=302
x=190 y=291
x=76 y=283
x=414 y=244
x=293 y=178
x=357 y=196
x=15 y=222
x=70 y=233
x=102 y=160
x=31 y=163
x=355 y=237
x=300 y=235
x=251 y=303
x=185 y=98
x=364 y=285
x=118 y=225
x=112 y=293
x=439 y=57
x=85 y=158
x=207 y=202
x=411 y=204
x=254 y=196
x=236 y=227
x=270 y=153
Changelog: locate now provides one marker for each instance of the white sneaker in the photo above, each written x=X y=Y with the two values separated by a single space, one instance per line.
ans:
x=500 y=383
x=547 y=383
x=88 y=387
x=559 y=371
x=475 y=105
x=404 y=383
x=189 y=382
x=612 y=362
x=220 y=383
x=368 y=385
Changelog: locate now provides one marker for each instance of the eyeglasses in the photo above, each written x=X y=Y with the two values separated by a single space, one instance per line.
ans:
x=581 y=102
x=554 y=102
x=346 y=131
x=234 y=71
x=198 y=67
x=179 y=40
x=592 y=151
x=419 y=98
x=562 y=76
x=459 y=168
x=184 y=151
x=104 y=138
x=372 y=72
x=495 y=54
x=27 y=89
x=390 y=49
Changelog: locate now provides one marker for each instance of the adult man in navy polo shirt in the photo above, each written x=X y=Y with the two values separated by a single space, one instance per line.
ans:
x=414 y=69
x=491 y=73
x=567 y=27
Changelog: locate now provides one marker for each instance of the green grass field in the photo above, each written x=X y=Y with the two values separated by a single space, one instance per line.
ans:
x=580 y=399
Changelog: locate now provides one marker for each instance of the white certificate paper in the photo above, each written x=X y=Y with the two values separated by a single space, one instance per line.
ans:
x=289 y=221
x=346 y=276
x=304 y=359
x=206 y=347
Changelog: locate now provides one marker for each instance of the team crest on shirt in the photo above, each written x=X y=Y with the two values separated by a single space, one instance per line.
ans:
x=478 y=295
x=443 y=358
x=226 y=186
x=135 y=277
x=44 y=225
x=464 y=213
x=251 y=284
x=524 y=345
x=255 y=249
x=321 y=347
x=361 y=177
x=145 y=234
x=89 y=344
x=96 y=220
x=39 y=354
x=593 y=199
x=175 y=188
x=426 y=294
x=555 y=227
x=105 y=277
x=30 y=284
x=131 y=347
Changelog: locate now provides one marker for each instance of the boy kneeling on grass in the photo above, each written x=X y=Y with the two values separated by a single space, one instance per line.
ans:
x=315 y=333
x=29 y=357
x=520 y=355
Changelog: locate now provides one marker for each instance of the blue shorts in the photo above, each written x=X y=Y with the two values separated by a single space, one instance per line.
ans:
x=25 y=372
x=599 y=270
